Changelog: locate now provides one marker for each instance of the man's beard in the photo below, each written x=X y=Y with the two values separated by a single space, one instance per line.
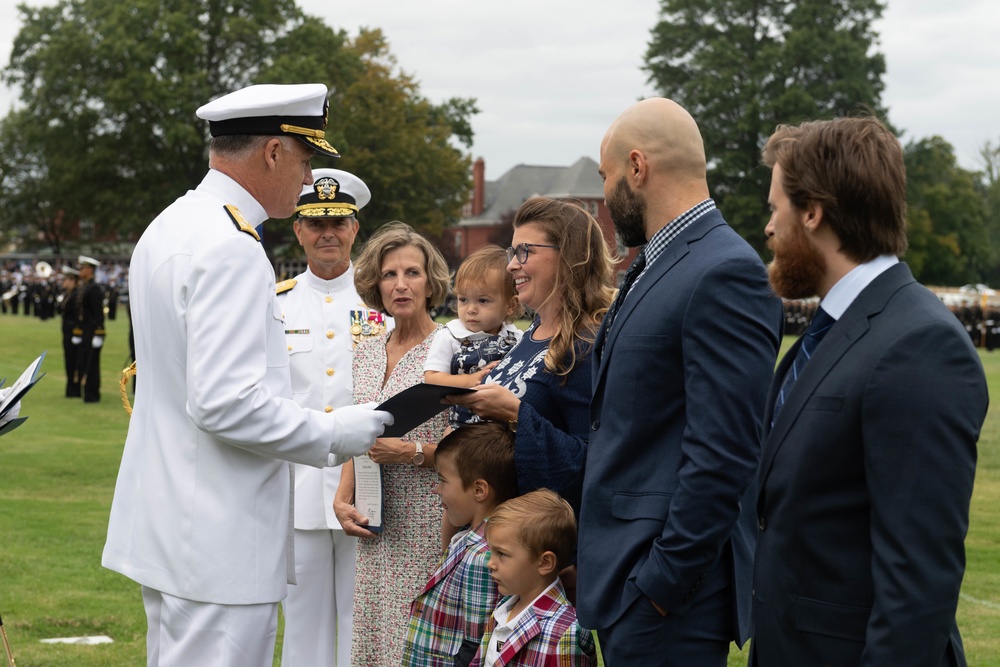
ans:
x=628 y=212
x=797 y=268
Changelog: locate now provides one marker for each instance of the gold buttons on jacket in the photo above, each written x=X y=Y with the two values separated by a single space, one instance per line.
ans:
x=329 y=334
x=329 y=299
x=289 y=348
x=329 y=371
x=328 y=409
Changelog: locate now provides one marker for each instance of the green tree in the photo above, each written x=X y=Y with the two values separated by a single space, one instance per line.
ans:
x=401 y=144
x=990 y=184
x=948 y=232
x=741 y=67
x=105 y=130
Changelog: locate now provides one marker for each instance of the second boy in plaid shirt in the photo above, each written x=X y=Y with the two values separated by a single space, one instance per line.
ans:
x=475 y=474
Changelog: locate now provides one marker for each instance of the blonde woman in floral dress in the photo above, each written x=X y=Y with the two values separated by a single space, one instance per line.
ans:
x=399 y=273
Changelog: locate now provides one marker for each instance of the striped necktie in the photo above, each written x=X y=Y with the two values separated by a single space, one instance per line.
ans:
x=821 y=323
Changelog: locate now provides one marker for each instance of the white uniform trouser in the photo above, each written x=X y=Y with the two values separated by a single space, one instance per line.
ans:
x=185 y=633
x=319 y=609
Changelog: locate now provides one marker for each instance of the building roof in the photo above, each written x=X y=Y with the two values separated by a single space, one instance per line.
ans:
x=523 y=181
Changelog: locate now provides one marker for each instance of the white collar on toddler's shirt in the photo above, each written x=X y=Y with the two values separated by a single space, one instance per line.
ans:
x=505 y=624
x=459 y=331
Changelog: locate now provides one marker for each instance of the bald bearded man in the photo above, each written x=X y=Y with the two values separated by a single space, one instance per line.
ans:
x=682 y=364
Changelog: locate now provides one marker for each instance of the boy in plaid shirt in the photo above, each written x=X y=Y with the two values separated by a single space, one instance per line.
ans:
x=476 y=473
x=531 y=538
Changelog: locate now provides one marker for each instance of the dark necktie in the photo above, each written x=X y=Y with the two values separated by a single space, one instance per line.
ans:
x=638 y=264
x=821 y=323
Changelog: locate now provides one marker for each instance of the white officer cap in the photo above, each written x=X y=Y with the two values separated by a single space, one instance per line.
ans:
x=298 y=110
x=83 y=259
x=69 y=271
x=334 y=194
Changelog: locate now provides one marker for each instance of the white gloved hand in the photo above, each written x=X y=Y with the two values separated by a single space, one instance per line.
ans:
x=76 y=340
x=97 y=342
x=355 y=429
x=14 y=410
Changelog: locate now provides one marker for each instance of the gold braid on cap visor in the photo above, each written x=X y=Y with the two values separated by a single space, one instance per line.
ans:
x=317 y=137
x=338 y=210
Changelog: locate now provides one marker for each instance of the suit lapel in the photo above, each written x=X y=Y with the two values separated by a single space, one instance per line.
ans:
x=452 y=560
x=847 y=331
x=526 y=630
x=672 y=255
x=529 y=626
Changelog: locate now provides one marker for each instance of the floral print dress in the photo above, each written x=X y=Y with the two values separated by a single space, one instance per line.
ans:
x=394 y=566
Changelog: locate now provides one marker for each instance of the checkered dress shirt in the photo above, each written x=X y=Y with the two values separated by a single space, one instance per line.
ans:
x=672 y=230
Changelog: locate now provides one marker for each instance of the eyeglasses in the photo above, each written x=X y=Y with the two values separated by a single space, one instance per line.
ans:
x=521 y=251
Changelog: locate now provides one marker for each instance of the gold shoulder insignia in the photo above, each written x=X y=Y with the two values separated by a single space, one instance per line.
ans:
x=285 y=285
x=241 y=222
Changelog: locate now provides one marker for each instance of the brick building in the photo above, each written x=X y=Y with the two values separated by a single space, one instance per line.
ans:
x=487 y=216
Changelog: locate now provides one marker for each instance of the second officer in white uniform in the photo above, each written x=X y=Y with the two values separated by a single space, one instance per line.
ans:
x=324 y=319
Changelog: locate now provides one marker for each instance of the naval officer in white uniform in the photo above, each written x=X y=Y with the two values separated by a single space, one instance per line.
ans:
x=200 y=516
x=324 y=320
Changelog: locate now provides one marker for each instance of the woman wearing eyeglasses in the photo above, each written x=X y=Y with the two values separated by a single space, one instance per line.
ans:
x=563 y=271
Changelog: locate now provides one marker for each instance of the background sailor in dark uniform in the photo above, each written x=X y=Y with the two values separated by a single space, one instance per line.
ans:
x=69 y=308
x=90 y=325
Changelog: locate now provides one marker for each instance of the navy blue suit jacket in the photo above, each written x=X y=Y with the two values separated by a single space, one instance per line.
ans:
x=680 y=382
x=865 y=486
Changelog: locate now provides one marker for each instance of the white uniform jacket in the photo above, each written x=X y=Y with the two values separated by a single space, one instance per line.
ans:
x=318 y=317
x=201 y=506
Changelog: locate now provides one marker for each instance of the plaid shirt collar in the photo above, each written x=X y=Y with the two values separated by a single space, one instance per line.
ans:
x=672 y=230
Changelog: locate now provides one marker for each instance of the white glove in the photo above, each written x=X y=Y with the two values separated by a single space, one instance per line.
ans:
x=76 y=340
x=97 y=342
x=355 y=428
x=15 y=409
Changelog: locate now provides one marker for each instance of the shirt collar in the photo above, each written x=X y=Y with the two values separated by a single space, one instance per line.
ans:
x=346 y=279
x=662 y=238
x=847 y=289
x=228 y=190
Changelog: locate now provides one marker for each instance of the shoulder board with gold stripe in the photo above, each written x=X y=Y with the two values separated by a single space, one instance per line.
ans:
x=285 y=285
x=241 y=222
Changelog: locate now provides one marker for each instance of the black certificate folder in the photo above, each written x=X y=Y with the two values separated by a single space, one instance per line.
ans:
x=415 y=405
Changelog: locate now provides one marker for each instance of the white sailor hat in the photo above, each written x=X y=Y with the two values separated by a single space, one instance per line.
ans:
x=69 y=271
x=334 y=194
x=298 y=110
x=83 y=259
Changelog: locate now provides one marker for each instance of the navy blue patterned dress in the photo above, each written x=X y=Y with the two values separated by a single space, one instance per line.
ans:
x=553 y=420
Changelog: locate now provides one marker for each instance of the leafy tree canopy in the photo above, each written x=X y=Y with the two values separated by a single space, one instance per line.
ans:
x=741 y=67
x=105 y=130
x=946 y=215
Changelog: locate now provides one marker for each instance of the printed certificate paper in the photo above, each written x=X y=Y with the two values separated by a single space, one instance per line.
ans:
x=368 y=491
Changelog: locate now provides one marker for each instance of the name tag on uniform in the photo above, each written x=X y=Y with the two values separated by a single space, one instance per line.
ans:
x=296 y=331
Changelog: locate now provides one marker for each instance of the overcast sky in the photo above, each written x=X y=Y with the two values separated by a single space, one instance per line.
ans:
x=551 y=75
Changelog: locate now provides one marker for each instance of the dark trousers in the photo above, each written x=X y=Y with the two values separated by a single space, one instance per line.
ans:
x=89 y=371
x=700 y=638
x=71 y=354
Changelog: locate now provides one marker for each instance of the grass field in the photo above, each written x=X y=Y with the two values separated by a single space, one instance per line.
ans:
x=57 y=476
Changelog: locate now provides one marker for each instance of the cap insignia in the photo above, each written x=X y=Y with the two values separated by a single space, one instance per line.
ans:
x=326 y=188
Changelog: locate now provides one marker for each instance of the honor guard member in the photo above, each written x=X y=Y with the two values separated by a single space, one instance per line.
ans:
x=319 y=307
x=69 y=308
x=90 y=331
x=200 y=516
